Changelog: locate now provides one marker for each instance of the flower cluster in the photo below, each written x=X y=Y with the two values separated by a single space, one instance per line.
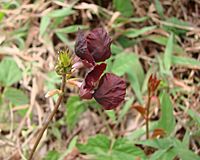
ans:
x=108 y=90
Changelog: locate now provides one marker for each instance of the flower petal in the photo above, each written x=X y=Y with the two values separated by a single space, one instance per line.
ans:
x=81 y=48
x=98 y=44
x=111 y=91
x=85 y=93
x=94 y=75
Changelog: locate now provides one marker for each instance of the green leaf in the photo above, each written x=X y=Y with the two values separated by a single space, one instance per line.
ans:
x=74 y=108
x=169 y=155
x=163 y=143
x=124 y=149
x=126 y=42
x=61 y=12
x=168 y=53
x=130 y=64
x=185 y=62
x=70 y=148
x=120 y=21
x=1 y=16
x=133 y=79
x=141 y=131
x=98 y=145
x=125 y=7
x=9 y=72
x=125 y=108
x=158 y=154
x=104 y=149
x=133 y=33
x=111 y=115
x=52 y=155
x=159 y=8
x=163 y=41
x=169 y=148
x=45 y=21
x=193 y=114
x=116 y=49
x=70 y=29
x=62 y=37
x=16 y=96
x=175 y=22
x=167 y=119
x=186 y=154
x=186 y=139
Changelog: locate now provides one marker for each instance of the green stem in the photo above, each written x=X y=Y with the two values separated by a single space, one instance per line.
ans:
x=102 y=114
x=45 y=125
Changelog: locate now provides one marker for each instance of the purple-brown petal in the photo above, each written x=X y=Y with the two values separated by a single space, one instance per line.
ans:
x=81 y=49
x=94 y=75
x=98 y=44
x=111 y=91
x=86 y=93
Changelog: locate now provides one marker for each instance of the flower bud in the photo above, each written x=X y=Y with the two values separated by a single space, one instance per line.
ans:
x=64 y=63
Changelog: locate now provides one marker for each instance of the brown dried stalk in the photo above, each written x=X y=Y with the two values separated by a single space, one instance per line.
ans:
x=45 y=125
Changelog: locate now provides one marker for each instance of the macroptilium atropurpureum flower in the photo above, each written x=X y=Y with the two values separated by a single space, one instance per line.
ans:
x=93 y=47
x=108 y=90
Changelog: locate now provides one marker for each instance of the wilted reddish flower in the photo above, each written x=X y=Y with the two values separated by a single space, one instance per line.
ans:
x=95 y=47
x=110 y=91
x=87 y=87
x=153 y=84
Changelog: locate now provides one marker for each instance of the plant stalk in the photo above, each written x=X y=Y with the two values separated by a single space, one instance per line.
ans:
x=45 y=125
x=147 y=115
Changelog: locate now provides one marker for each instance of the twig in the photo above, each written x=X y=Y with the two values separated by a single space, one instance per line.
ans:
x=147 y=115
x=50 y=117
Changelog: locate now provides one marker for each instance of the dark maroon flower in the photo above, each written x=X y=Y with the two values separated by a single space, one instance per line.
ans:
x=111 y=91
x=81 y=49
x=95 y=47
x=87 y=88
x=98 y=43
x=94 y=75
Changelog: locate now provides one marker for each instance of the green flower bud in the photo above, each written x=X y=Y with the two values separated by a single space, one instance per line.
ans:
x=64 y=63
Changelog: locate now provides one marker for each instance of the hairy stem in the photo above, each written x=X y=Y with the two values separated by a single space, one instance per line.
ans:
x=46 y=123
x=147 y=115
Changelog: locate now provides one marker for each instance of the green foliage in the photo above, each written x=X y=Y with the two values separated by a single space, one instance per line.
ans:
x=52 y=155
x=61 y=12
x=9 y=72
x=102 y=148
x=167 y=120
x=125 y=109
x=159 y=8
x=185 y=62
x=70 y=29
x=111 y=114
x=192 y=114
x=125 y=7
x=129 y=63
x=74 y=109
x=161 y=40
x=168 y=53
x=45 y=21
x=173 y=27
x=133 y=33
x=169 y=148
x=15 y=96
